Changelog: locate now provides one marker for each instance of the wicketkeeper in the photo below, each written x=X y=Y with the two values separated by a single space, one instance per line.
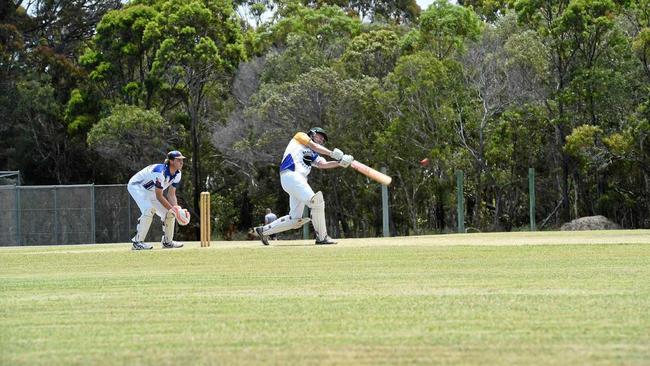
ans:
x=147 y=187
x=304 y=152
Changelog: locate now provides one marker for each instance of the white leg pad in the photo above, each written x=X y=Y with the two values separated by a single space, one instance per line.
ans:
x=284 y=223
x=317 y=206
x=143 y=224
x=168 y=227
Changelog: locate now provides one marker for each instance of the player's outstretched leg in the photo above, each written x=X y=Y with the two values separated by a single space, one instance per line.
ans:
x=284 y=223
x=260 y=232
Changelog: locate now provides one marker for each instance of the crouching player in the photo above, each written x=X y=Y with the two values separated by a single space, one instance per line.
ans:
x=304 y=152
x=147 y=187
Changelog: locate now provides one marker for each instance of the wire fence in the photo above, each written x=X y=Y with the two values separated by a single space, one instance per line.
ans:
x=71 y=214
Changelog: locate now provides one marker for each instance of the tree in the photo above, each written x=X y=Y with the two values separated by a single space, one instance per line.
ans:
x=43 y=41
x=497 y=83
x=132 y=138
x=400 y=11
x=122 y=55
x=320 y=97
x=307 y=38
x=489 y=10
x=638 y=14
x=200 y=46
x=374 y=54
x=444 y=29
x=419 y=106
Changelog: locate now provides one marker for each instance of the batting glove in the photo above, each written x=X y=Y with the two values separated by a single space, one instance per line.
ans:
x=336 y=154
x=346 y=160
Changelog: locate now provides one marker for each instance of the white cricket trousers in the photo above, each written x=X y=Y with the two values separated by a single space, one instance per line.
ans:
x=300 y=193
x=146 y=200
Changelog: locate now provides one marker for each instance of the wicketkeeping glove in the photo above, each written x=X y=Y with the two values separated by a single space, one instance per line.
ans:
x=175 y=211
x=346 y=160
x=182 y=215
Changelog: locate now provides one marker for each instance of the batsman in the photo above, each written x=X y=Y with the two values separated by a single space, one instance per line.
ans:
x=304 y=151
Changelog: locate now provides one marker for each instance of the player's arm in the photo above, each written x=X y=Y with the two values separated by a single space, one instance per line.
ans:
x=171 y=195
x=304 y=139
x=161 y=198
x=342 y=160
x=326 y=164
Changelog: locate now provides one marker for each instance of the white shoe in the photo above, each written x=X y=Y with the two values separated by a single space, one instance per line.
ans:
x=171 y=245
x=139 y=245
x=265 y=239
x=326 y=241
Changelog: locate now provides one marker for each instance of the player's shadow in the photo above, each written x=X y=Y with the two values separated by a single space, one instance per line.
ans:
x=272 y=244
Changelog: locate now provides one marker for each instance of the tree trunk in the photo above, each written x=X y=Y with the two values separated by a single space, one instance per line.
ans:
x=479 y=195
x=196 y=173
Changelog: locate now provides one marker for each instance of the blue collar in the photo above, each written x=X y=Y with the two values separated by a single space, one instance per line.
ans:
x=168 y=173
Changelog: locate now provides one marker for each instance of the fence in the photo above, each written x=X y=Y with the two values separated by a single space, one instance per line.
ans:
x=84 y=214
x=72 y=214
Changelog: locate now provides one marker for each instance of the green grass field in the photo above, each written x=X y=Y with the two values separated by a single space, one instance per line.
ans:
x=516 y=298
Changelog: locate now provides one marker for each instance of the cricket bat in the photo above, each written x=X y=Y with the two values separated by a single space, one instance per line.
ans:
x=371 y=173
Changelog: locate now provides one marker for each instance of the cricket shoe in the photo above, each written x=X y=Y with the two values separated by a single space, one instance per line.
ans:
x=260 y=230
x=326 y=240
x=171 y=245
x=139 y=245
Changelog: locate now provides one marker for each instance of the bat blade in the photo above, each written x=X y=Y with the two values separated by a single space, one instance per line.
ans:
x=371 y=173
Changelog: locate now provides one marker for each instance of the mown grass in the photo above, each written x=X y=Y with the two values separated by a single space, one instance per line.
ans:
x=572 y=298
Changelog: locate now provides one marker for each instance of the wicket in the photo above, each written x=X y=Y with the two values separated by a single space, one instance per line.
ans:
x=205 y=219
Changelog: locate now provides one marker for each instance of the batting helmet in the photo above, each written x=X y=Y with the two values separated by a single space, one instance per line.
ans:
x=315 y=130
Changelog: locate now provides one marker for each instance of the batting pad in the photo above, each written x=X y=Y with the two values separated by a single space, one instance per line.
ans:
x=317 y=206
x=284 y=223
x=168 y=227
x=143 y=224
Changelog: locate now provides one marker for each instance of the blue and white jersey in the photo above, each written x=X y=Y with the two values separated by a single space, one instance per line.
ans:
x=156 y=176
x=299 y=158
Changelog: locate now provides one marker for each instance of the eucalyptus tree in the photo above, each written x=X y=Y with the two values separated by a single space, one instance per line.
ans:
x=489 y=10
x=638 y=13
x=320 y=97
x=200 y=47
x=304 y=38
x=444 y=29
x=121 y=58
x=400 y=11
x=497 y=83
x=418 y=103
x=546 y=18
x=132 y=137
x=43 y=40
x=301 y=41
x=372 y=53
x=427 y=104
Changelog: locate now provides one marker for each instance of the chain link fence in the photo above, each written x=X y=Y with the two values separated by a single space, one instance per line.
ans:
x=72 y=214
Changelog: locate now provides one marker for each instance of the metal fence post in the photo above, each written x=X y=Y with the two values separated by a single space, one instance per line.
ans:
x=56 y=217
x=305 y=228
x=92 y=213
x=531 y=192
x=384 y=207
x=128 y=213
x=460 y=200
x=18 y=213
